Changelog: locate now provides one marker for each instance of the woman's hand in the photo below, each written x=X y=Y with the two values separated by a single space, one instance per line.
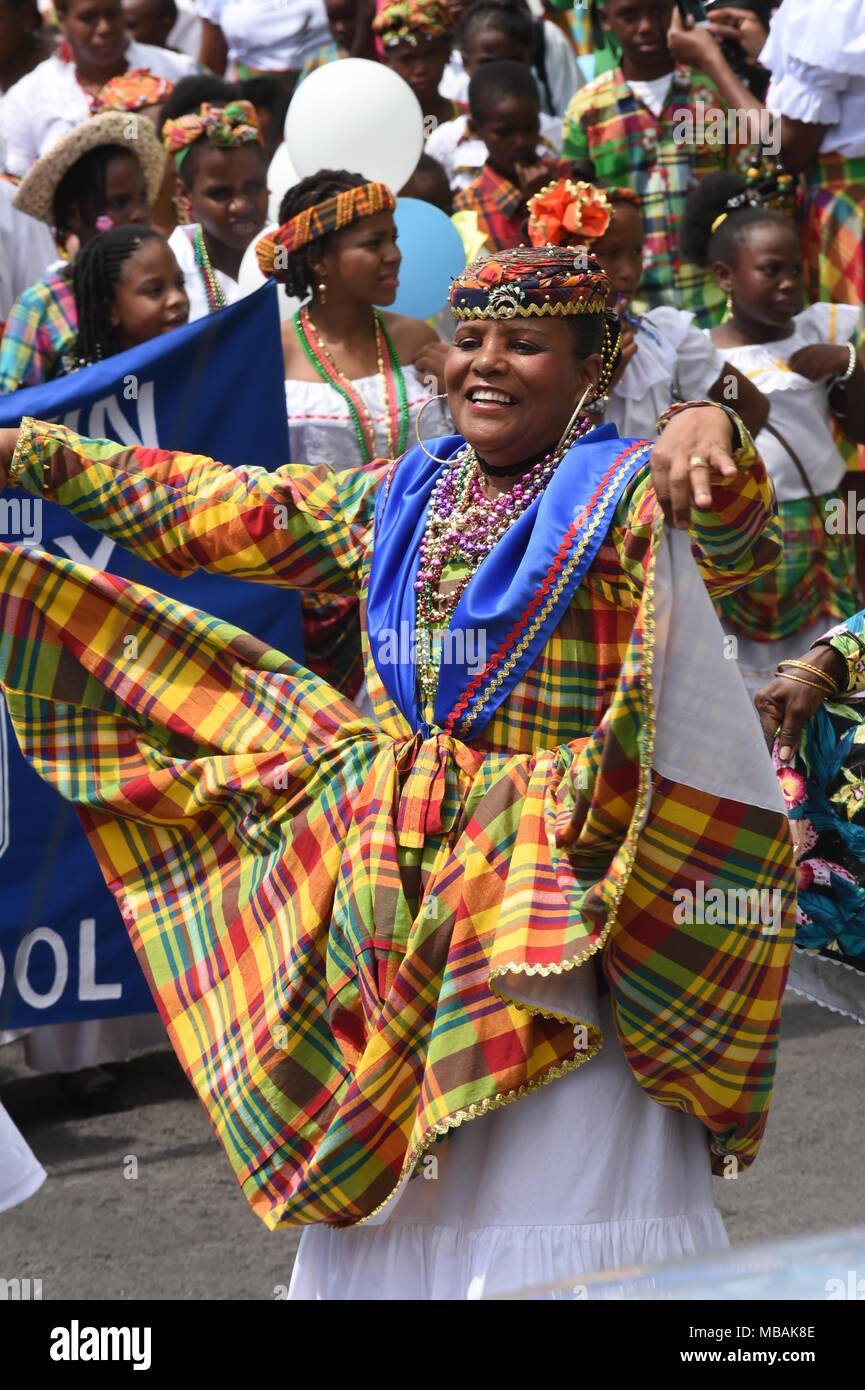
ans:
x=694 y=451
x=429 y=362
x=742 y=26
x=818 y=361
x=8 y=441
x=786 y=705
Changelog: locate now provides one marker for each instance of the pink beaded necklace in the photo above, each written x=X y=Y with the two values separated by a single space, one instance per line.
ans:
x=463 y=523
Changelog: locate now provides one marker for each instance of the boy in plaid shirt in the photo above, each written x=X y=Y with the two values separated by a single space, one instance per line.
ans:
x=505 y=113
x=633 y=123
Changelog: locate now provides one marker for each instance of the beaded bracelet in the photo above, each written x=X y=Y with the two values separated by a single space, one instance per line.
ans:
x=679 y=406
x=843 y=377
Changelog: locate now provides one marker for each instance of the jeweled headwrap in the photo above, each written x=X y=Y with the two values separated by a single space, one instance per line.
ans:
x=330 y=215
x=227 y=126
x=530 y=282
x=565 y=210
x=131 y=91
x=410 y=21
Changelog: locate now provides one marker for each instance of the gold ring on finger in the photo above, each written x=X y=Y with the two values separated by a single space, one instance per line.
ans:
x=696 y=461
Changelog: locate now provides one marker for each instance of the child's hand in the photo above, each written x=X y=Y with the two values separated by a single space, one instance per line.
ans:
x=820 y=360
x=534 y=177
x=627 y=348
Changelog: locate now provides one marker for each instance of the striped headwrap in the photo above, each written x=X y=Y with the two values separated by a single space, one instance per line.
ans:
x=132 y=91
x=330 y=215
x=529 y=282
x=412 y=21
x=226 y=126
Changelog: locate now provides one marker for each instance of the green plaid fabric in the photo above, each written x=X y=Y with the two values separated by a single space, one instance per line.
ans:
x=632 y=148
x=815 y=579
x=41 y=326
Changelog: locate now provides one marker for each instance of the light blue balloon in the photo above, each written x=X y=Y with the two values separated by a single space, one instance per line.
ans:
x=432 y=252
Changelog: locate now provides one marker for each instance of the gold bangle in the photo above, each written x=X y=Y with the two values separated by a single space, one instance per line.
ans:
x=800 y=680
x=815 y=671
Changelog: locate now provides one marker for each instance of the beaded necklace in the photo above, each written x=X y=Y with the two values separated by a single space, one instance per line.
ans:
x=389 y=370
x=462 y=523
x=212 y=288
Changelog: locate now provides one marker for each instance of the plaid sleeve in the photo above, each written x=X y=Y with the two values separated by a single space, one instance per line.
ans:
x=25 y=353
x=736 y=541
x=300 y=527
x=575 y=140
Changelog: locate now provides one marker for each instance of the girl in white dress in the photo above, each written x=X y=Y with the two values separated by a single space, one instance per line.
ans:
x=807 y=365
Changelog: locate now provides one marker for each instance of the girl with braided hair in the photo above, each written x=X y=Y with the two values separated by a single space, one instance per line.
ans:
x=809 y=367
x=128 y=289
x=356 y=376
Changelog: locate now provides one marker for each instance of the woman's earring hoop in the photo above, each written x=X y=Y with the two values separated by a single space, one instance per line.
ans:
x=572 y=423
x=442 y=396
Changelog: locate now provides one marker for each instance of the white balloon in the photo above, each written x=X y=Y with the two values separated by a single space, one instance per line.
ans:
x=251 y=278
x=359 y=116
x=281 y=175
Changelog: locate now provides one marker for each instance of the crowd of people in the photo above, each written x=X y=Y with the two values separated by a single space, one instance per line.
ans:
x=663 y=222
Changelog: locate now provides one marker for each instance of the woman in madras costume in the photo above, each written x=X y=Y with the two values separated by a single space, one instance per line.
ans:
x=364 y=936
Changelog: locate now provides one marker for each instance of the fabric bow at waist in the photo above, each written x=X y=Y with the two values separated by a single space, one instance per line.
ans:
x=429 y=797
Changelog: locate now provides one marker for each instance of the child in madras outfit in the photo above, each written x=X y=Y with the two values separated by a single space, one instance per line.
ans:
x=93 y=179
x=352 y=387
x=807 y=365
x=664 y=357
x=638 y=125
x=416 y=38
x=503 y=101
x=222 y=170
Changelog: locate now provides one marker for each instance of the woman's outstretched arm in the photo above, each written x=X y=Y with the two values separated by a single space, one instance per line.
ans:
x=304 y=528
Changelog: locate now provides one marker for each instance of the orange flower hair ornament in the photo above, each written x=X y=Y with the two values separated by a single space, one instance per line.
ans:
x=565 y=210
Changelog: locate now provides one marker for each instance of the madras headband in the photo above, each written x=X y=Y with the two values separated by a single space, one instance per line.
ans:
x=227 y=126
x=412 y=22
x=330 y=215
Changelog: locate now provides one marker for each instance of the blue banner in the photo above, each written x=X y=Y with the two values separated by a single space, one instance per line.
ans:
x=214 y=387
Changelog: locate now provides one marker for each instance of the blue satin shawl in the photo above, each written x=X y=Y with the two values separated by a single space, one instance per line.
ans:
x=516 y=596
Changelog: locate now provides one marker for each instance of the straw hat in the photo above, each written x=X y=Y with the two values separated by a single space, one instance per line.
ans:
x=134 y=133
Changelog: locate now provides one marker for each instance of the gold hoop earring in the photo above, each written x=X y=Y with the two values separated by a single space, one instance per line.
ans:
x=442 y=396
x=575 y=417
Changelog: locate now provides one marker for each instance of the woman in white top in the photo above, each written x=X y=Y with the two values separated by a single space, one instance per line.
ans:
x=356 y=379
x=816 y=54
x=246 y=37
x=58 y=94
x=222 y=171
x=807 y=366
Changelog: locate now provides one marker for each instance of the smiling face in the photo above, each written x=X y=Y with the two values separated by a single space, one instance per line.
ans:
x=765 y=279
x=95 y=31
x=150 y=298
x=512 y=385
x=228 y=192
x=619 y=251
x=362 y=262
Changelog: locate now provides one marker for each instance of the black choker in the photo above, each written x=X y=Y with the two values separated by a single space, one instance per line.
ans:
x=514 y=471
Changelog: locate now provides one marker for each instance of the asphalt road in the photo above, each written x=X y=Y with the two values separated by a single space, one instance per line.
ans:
x=181 y=1229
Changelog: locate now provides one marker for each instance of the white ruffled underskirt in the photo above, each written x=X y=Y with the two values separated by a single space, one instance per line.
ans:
x=584 y=1175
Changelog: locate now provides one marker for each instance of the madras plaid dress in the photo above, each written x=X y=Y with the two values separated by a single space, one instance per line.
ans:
x=341 y=920
x=632 y=148
x=500 y=207
x=833 y=229
x=41 y=326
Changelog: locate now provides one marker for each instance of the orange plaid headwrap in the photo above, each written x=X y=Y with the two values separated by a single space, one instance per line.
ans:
x=331 y=215
x=131 y=91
